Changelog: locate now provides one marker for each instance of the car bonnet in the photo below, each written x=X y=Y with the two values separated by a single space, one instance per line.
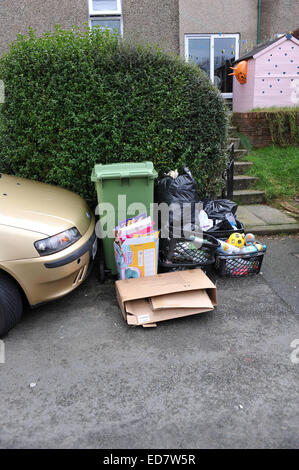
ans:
x=40 y=207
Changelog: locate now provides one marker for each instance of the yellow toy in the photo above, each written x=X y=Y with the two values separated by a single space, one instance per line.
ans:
x=236 y=239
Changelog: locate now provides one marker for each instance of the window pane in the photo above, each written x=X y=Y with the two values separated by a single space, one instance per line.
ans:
x=107 y=23
x=224 y=56
x=104 y=5
x=199 y=53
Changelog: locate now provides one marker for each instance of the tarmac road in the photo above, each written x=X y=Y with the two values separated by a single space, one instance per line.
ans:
x=222 y=379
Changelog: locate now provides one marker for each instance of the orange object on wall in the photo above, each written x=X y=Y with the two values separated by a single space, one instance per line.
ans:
x=240 y=72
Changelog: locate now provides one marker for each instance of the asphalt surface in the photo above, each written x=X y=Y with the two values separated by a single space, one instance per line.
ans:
x=222 y=379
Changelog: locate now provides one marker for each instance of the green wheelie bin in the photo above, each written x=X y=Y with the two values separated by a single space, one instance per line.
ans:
x=118 y=186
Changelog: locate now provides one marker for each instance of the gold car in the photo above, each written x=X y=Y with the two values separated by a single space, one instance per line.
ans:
x=47 y=244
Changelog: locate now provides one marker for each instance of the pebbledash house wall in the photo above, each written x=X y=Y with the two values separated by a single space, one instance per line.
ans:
x=278 y=17
x=16 y=16
x=219 y=16
x=153 y=21
x=162 y=22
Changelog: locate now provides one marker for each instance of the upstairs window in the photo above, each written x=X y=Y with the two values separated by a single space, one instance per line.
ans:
x=105 y=13
x=104 y=7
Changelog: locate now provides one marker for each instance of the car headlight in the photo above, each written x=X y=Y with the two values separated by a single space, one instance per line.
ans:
x=58 y=242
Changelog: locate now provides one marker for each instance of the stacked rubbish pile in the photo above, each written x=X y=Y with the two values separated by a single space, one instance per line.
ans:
x=203 y=234
x=136 y=246
x=182 y=244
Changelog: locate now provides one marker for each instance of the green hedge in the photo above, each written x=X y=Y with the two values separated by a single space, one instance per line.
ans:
x=284 y=127
x=76 y=98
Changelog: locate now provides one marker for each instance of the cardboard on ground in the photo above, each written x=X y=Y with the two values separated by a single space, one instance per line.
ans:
x=148 y=300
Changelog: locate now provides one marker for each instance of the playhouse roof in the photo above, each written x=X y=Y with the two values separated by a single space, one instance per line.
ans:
x=261 y=47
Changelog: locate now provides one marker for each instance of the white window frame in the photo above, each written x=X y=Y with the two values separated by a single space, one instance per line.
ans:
x=104 y=12
x=212 y=38
x=104 y=17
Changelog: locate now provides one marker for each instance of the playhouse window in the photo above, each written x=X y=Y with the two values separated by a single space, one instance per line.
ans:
x=215 y=54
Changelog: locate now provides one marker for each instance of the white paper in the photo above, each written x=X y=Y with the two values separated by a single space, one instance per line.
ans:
x=150 y=262
x=140 y=258
x=143 y=318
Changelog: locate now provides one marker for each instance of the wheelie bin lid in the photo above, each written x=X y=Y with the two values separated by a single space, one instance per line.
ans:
x=123 y=170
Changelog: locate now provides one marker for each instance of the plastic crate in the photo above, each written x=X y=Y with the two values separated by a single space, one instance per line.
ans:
x=239 y=265
x=181 y=253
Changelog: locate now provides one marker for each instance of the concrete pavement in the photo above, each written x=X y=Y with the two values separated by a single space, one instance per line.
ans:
x=223 y=379
x=265 y=220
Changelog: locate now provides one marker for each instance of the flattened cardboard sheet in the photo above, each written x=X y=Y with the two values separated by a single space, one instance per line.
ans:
x=191 y=299
x=140 y=312
x=173 y=295
x=167 y=283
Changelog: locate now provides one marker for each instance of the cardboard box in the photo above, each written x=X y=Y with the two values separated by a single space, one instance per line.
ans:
x=146 y=301
x=137 y=257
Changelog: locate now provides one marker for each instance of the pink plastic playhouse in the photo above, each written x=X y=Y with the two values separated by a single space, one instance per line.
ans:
x=272 y=76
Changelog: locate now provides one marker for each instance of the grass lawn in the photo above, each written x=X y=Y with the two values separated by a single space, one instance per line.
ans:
x=278 y=171
x=274 y=109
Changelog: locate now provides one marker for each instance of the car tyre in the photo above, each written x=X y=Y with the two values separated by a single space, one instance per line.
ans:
x=11 y=305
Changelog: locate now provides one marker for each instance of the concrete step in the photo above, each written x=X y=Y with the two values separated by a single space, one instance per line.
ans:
x=235 y=141
x=244 y=182
x=240 y=153
x=240 y=168
x=273 y=229
x=229 y=104
x=232 y=130
x=249 y=196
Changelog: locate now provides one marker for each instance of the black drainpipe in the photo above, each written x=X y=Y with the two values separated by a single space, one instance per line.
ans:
x=259 y=5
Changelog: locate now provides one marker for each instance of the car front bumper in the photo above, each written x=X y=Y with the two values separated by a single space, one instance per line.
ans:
x=46 y=278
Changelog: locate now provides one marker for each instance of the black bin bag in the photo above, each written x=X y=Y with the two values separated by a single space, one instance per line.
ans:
x=223 y=211
x=181 y=191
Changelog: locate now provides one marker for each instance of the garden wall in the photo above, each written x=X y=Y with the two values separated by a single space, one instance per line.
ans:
x=266 y=128
x=255 y=126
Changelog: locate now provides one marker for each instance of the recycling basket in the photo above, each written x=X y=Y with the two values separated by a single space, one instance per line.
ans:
x=178 y=254
x=120 y=185
x=239 y=265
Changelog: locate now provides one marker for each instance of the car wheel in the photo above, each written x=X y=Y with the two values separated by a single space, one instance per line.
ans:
x=11 y=305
